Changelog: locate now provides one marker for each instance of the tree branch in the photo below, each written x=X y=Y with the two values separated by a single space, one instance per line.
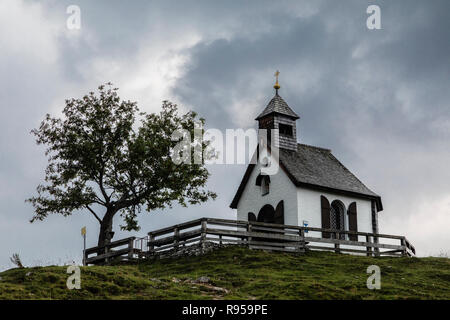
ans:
x=102 y=189
x=99 y=201
x=95 y=215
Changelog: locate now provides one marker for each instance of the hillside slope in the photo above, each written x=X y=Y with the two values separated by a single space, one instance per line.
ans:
x=239 y=273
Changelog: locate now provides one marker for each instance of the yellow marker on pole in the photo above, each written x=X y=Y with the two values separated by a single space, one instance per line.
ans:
x=83 y=233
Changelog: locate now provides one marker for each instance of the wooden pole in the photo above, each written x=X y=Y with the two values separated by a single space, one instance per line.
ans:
x=249 y=229
x=302 y=247
x=336 y=245
x=369 y=249
x=130 y=249
x=203 y=236
x=151 y=246
x=376 y=250
x=403 y=244
x=84 y=250
x=83 y=234
x=176 y=234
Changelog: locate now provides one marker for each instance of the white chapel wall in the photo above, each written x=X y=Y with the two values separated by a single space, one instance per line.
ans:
x=281 y=188
x=309 y=208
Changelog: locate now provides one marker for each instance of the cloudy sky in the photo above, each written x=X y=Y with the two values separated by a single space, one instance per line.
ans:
x=380 y=99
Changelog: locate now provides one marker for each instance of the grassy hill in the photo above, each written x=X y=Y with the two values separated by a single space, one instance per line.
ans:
x=239 y=273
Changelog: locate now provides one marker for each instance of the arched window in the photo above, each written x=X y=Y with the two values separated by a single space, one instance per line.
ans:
x=251 y=216
x=325 y=205
x=352 y=221
x=337 y=217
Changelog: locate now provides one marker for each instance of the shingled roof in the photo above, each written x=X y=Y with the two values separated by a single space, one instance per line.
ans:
x=278 y=105
x=316 y=168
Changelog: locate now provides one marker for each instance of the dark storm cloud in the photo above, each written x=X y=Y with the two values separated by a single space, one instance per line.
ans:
x=378 y=98
x=412 y=58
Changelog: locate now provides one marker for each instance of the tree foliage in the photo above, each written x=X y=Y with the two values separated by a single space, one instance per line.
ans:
x=100 y=158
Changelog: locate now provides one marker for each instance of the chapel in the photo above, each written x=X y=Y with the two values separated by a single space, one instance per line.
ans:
x=311 y=188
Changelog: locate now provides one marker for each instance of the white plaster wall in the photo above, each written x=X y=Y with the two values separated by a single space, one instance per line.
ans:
x=309 y=209
x=299 y=203
x=281 y=188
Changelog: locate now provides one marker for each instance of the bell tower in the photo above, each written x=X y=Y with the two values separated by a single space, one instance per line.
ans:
x=278 y=115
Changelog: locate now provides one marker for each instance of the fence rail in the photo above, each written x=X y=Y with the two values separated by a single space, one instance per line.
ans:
x=124 y=249
x=255 y=235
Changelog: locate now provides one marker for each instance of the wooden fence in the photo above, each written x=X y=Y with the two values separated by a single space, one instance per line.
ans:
x=124 y=249
x=255 y=235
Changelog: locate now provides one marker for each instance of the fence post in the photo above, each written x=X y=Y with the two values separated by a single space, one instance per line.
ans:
x=369 y=249
x=106 y=251
x=376 y=250
x=403 y=244
x=203 y=236
x=302 y=244
x=151 y=246
x=130 y=248
x=249 y=229
x=176 y=234
x=336 y=245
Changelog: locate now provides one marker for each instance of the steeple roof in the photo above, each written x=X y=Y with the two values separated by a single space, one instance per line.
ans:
x=278 y=105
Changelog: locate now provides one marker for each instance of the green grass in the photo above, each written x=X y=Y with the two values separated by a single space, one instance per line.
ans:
x=245 y=274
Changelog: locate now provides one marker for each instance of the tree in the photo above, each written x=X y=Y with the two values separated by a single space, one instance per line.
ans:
x=100 y=163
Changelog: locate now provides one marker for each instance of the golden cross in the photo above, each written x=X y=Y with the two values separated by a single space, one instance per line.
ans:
x=277 y=74
x=277 y=86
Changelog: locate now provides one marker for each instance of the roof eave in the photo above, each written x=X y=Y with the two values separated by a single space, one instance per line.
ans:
x=234 y=203
x=296 y=117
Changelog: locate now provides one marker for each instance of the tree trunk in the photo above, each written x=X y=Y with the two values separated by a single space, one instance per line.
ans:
x=106 y=234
